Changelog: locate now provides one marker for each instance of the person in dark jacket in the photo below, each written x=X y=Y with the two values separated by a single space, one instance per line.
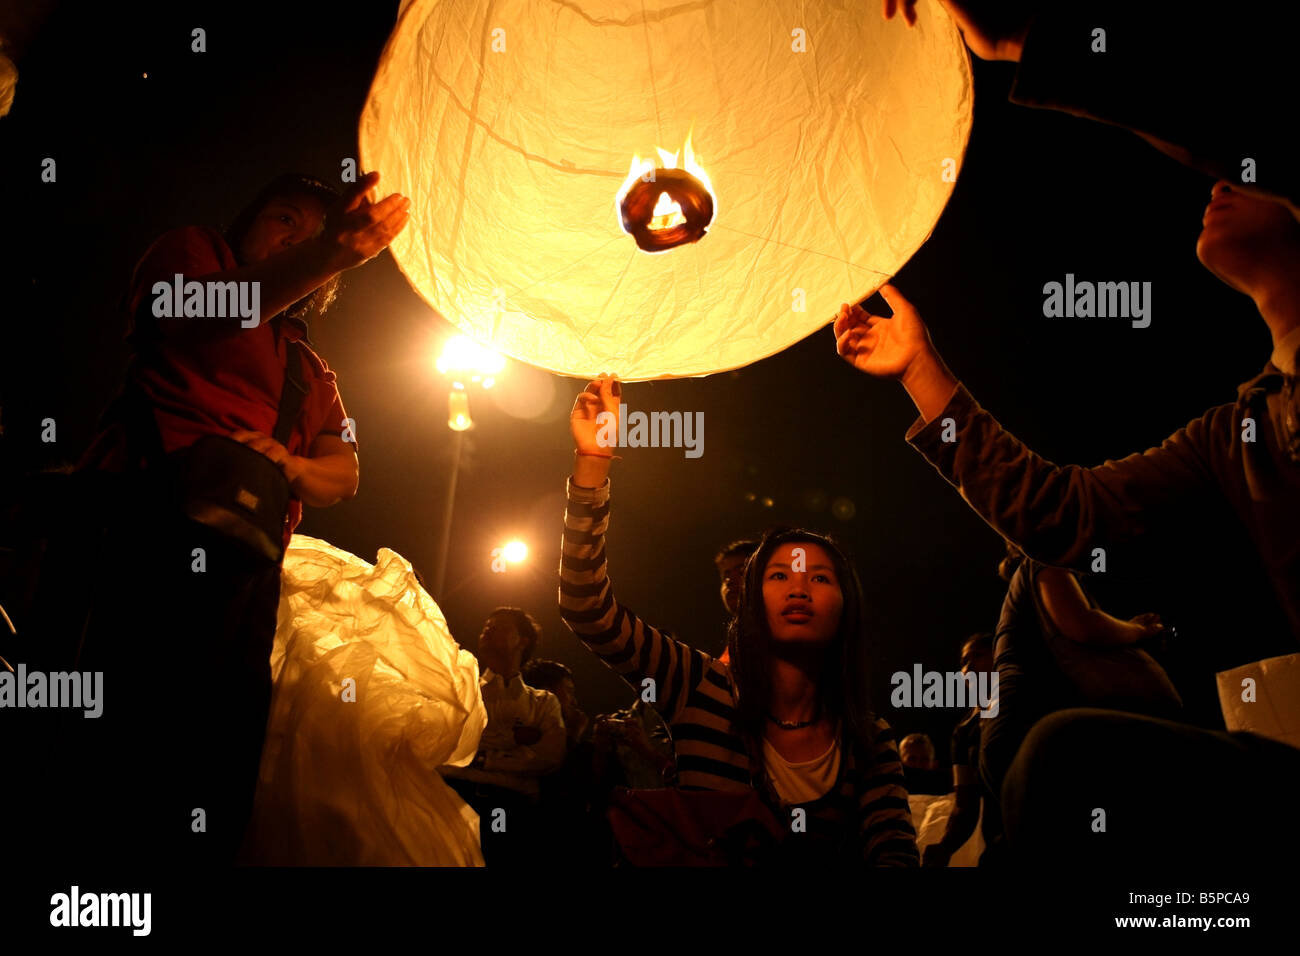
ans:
x=1240 y=459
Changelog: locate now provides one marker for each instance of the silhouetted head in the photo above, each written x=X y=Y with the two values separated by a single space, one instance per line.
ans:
x=977 y=654
x=730 y=562
x=917 y=752
x=508 y=639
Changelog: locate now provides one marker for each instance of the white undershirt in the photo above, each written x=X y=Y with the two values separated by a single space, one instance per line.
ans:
x=804 y=781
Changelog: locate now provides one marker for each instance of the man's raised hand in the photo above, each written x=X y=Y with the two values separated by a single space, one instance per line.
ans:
x=880 y=346
x=358 y=229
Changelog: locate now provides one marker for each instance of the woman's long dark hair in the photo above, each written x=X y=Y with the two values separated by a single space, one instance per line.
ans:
x=842 y=685
x=286 y=186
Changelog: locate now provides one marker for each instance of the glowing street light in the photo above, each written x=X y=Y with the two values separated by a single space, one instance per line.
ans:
x=465 y=360
x=462 y=360
x=458 y=419
x=512 y=552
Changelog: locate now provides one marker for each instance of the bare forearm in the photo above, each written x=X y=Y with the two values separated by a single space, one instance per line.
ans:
x=1102 y=630
x=284 y=278
x=324 y=481
x=929 y=383
x=590 y=471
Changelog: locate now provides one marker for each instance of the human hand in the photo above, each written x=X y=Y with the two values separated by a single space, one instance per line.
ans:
x=1148 y=625
x=990 y=29
x=882 y=347
x=593 y=423
x=291 y=465
x=358 y=229
x=586 y=421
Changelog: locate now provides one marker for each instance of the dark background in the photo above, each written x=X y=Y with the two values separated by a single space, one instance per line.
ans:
x=1041 y=194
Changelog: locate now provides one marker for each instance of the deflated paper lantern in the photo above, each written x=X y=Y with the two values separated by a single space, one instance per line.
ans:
x=804 y=151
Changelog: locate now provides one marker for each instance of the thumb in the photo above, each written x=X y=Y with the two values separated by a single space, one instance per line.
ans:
x=893 y=298
x=354 y=196
x=611 y=391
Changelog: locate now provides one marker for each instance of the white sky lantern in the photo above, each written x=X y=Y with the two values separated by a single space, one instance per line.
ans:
x=818 y=145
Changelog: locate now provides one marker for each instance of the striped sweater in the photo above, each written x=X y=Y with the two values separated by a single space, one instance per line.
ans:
x=695 y=694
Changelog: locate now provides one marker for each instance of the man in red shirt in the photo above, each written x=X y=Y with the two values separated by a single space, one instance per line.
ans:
x=191 y=664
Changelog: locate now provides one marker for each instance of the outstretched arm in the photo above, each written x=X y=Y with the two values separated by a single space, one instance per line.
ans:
x=638 y=651
x=356 y=231
x=1072 y=614
x=1057 y=514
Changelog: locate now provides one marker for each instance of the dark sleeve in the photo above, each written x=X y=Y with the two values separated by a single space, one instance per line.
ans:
x=1220 y=87
x=885 y=816
x=1058 y=513
x=611 y=630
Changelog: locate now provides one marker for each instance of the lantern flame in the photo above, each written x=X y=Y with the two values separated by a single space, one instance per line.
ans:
x=667 y=213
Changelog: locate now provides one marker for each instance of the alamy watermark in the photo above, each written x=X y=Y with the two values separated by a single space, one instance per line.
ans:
x=656 y=430
x=102 y=909
x=208 y=300
x=1101 y=300
x=950 y=689
x=79 y=690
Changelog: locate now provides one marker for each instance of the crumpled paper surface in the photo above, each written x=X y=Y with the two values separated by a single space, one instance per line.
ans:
x=346 y=783
x=512 y=125
x=930 y=814
x=1275 y=711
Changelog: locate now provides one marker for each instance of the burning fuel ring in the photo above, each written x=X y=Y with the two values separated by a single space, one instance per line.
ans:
x=637 y=210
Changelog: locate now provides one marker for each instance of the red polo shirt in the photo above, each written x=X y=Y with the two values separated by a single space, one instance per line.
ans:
x=211 y=376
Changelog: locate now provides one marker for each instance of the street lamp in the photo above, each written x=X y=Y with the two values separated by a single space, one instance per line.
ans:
x=464 y=362
x=512 y=552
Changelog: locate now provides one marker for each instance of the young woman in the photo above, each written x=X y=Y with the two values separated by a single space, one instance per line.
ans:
x=788 y=715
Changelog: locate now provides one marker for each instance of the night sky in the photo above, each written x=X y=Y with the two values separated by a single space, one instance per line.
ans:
x=1041 y=194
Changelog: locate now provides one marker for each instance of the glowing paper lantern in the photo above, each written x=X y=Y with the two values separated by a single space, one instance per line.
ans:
x=827 y=139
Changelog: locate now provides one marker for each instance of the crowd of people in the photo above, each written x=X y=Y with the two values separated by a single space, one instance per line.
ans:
x=769 y=753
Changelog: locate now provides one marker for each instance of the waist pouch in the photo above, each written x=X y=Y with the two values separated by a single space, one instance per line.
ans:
x=218 y=481
x=235 y=490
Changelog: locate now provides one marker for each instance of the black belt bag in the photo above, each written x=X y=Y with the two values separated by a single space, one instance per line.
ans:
x=234 y=489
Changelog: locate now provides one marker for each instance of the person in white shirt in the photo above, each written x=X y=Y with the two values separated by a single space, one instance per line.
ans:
x=524 y=740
